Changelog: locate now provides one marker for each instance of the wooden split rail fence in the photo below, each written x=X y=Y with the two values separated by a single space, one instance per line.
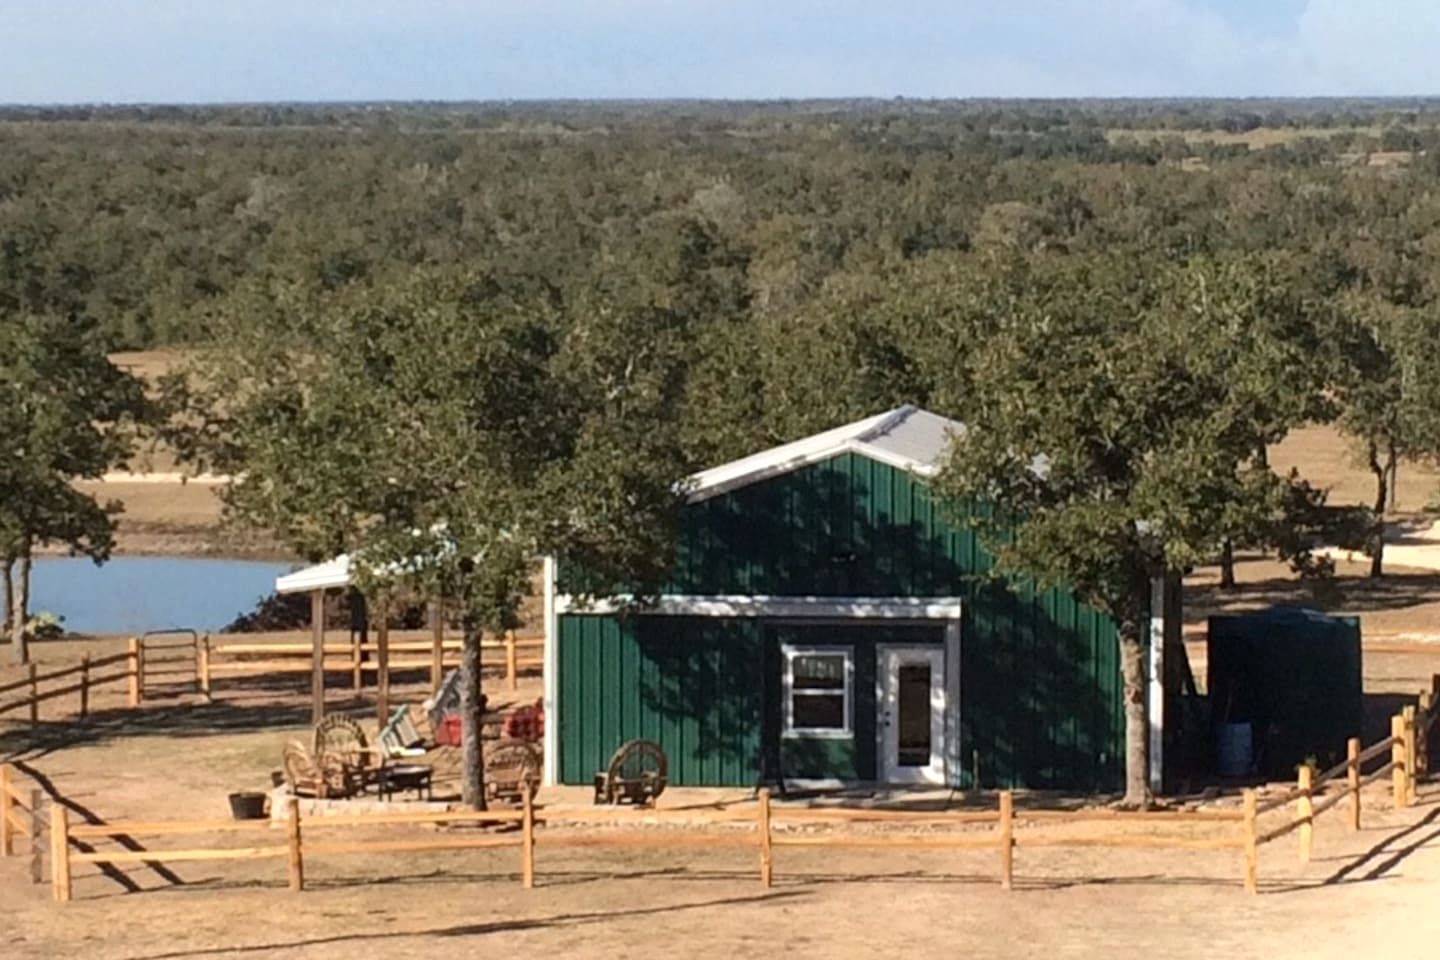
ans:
x=764 y=828
x=1408 y=750
x=239 y=659
x=77 y=681
x=22 y=814
x=154 y=665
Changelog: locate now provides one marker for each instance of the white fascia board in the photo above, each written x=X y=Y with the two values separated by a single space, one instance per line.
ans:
x=786 y=457
x=890 y=457
x=739 y=605
x=324 y=576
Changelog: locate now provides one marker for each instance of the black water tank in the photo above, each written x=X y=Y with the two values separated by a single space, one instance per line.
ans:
x=1295 y=676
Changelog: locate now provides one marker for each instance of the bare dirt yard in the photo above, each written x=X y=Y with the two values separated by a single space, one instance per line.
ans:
x=177 y=757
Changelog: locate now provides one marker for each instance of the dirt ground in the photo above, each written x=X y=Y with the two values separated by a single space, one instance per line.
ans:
x=178 y=757
x=1366 y=895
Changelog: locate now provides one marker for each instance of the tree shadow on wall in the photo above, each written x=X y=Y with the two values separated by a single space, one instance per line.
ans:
x=1040 y=703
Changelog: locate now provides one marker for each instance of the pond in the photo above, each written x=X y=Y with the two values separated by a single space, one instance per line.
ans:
x=135 y=594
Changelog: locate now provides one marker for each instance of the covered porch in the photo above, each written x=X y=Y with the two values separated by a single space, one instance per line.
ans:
x=380 y=655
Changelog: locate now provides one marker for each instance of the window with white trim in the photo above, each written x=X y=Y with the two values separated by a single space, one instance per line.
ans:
x=819 y=684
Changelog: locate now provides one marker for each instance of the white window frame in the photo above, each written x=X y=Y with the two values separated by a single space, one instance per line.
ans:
x=788 y=728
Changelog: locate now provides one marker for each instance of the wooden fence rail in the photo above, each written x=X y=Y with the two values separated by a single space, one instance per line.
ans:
x=85 y=682
x=21 y=815
x=355 y=658
x=764 y=828
x=1408 y=731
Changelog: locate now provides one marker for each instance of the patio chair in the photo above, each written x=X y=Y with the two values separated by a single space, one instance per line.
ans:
x=512 y=769
x=400 y=738
x=322 y=775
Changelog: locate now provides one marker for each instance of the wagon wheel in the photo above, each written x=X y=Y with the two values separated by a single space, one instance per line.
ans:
x=339 y=736
x=638 y=771
x=512 y=766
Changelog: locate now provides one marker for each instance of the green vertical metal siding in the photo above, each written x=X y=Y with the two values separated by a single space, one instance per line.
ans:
x=1040 y=698
x=692 y=684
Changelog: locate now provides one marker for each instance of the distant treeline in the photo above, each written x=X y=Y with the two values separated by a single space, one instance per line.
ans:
x=151 y=218
x=1235 y=114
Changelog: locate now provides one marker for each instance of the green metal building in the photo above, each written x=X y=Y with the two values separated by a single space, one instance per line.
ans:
x=827 y=624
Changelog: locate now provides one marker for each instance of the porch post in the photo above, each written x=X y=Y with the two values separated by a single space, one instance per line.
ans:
x=437 y=644
x=382 y=642
x=317 y=655
x=550 y=678
x=1155 y=668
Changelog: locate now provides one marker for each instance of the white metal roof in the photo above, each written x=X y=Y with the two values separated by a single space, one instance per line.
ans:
x=322 y=576
x=906 y=437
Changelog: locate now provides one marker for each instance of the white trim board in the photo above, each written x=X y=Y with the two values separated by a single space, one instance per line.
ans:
x=854 y=437
x=797 y=607
x=550 y=775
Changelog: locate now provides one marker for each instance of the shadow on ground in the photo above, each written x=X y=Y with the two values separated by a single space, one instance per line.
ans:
x=482 y=929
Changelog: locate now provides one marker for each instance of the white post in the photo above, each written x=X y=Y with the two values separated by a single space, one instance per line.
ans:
x=1155 y=667
x=551 y=771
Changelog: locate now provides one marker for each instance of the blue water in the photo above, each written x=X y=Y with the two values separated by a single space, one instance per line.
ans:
x=135 y=594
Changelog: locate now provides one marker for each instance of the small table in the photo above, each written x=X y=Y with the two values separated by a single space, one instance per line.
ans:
x=406 y=776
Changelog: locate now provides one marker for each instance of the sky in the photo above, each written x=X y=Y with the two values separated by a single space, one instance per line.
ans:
x=173 y=51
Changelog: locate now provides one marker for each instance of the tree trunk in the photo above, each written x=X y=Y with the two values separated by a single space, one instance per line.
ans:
x=1137 y=726
x=1382 y=497
x=20 y=611
x=1227 y=565
x=472 y=718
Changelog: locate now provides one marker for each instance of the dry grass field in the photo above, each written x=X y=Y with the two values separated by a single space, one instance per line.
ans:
x=1326 y=459
x=1257 y=139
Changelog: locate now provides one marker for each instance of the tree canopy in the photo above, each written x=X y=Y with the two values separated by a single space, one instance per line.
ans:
x=66 y=413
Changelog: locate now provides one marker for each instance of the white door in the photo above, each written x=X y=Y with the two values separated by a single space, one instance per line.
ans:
x=911 y=702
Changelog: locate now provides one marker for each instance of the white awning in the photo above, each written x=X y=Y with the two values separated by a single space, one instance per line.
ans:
x=322 y=576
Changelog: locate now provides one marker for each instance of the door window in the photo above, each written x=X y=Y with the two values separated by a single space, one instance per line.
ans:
x=913 y=707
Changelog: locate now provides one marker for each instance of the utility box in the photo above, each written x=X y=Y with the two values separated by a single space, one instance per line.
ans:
x=1294 y=676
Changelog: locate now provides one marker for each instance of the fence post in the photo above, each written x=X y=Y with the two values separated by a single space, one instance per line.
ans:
x=297 y=856
x=205 y=666
x=1397 y=760
x=7 y=803
x=133 y=667
x=1252 y=850
x=34 y=695
x=511 y=666
x=762 y=827
x=37 y=834
x=84 y=686
x=1411 y=754
x=60 y=851
x=1422 y=732
x=1352 y=759
x=527 y=841
x=1305 y=811
x=357 y=662
x=1007 y=839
